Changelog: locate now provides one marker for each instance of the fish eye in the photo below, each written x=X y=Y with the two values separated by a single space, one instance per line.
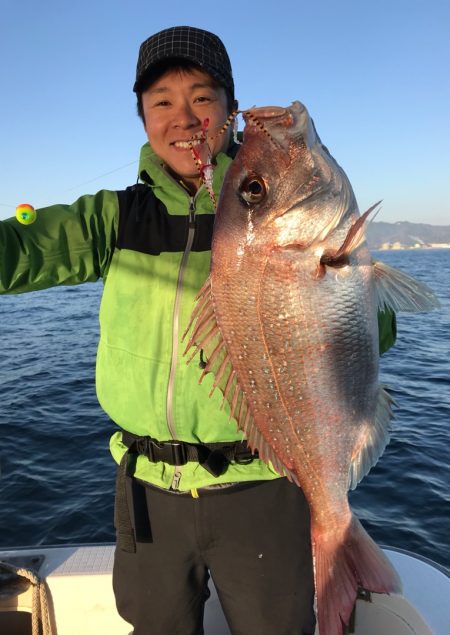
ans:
x=253 y=189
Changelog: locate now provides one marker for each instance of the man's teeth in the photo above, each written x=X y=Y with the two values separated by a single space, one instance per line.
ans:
x=187 y=144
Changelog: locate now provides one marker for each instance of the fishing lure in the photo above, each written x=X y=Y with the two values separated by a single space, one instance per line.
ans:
x=231 y=120
x=259 y=124
x=205 y=169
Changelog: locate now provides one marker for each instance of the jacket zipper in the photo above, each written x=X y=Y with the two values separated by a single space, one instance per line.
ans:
x=175 y=334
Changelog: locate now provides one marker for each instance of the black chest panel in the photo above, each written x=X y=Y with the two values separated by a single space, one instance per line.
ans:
x=146 y=226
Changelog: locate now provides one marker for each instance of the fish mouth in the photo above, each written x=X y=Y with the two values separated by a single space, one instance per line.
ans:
x=281 y=125
x=275 y=113
x=267 y=119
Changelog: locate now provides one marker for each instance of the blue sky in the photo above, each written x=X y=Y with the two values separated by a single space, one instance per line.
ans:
x=374 y=76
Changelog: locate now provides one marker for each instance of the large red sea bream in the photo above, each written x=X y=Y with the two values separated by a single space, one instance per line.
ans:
x=288 y=323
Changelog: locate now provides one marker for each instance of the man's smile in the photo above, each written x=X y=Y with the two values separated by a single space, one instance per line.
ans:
x=186 y=145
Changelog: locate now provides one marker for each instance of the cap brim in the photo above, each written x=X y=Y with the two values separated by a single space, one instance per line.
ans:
x=141 y=80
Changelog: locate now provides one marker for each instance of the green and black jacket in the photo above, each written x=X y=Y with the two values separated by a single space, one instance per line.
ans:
x=153 y=258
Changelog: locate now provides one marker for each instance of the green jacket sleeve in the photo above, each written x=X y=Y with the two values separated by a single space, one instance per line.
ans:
x=387 y=329
x=67 y=244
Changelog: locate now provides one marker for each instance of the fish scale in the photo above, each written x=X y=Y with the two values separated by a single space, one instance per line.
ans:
x=310 y=367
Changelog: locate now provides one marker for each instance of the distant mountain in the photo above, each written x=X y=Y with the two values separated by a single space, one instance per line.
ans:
x=404 y=235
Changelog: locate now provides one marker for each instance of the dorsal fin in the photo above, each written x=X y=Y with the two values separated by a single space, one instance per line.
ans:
x=205 y=335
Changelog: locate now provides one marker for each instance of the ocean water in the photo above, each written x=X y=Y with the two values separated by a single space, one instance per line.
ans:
x=57 y=477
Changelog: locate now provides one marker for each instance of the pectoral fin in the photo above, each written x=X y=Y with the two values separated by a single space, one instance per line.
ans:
x=356 y=236
x=401 y=292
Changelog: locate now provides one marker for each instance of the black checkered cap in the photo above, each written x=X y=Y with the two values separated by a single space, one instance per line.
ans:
x=201 y=47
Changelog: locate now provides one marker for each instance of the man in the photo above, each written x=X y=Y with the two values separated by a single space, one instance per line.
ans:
x=191 y=499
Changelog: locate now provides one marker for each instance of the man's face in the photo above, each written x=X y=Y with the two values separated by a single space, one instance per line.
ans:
x=175 y=107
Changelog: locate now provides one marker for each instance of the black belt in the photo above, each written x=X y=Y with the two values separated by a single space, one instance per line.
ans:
x=214 y=457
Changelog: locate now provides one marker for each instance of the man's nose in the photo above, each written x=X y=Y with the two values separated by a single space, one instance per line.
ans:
x=185 y=117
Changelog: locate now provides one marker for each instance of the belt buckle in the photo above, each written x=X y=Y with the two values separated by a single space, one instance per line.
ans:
x=178 y=453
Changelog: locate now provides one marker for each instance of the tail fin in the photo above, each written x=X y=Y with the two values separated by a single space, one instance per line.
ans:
x=341 y=568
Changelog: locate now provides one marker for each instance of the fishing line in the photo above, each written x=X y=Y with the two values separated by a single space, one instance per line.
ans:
x=101 y=176
x=97 y=178
x=221 y=127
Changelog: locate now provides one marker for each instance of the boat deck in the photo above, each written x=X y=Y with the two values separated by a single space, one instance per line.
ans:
x=82 y=600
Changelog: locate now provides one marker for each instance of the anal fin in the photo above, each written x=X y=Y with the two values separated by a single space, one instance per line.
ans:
x=373 y=439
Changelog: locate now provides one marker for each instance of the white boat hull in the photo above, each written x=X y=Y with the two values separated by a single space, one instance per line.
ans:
x=82 y=600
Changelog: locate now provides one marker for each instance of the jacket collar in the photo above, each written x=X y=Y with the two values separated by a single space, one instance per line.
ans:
x=172 y=193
